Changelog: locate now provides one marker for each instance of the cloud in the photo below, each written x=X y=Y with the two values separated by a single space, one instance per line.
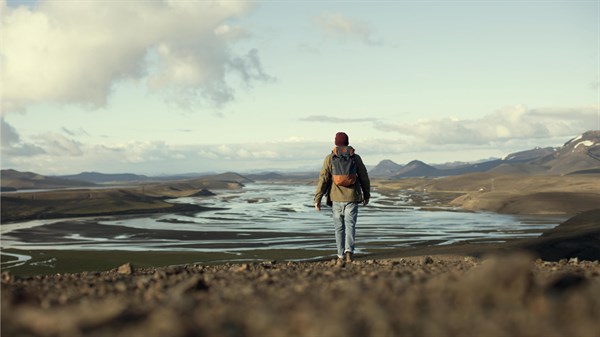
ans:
x=343 y=28
x=8 y=133
x=329 y=119
x=12 y=145
x=76 y=132
x=250 y=68
x=236 y=152
x=138 y=152
x=504 y=125
x=56 y=144
x=504 y=131
x=61 y=155
x=49 y=143
x=76 y=52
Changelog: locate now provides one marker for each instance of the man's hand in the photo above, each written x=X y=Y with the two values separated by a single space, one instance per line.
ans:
x=365 y=201
x=318 y=206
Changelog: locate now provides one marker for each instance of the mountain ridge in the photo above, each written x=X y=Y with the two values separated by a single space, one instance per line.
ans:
x=579 y=154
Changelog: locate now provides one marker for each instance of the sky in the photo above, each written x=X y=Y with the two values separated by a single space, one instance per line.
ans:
x=164 y=87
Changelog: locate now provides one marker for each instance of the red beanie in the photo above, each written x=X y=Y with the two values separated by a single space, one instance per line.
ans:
x=341 y=139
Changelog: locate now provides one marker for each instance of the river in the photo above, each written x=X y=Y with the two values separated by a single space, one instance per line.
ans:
x=269 y=216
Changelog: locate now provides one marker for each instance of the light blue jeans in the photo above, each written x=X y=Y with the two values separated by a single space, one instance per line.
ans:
x=344 y=219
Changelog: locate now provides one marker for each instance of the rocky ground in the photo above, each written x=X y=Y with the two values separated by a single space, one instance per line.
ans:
x=465 y=292
x=508 y=295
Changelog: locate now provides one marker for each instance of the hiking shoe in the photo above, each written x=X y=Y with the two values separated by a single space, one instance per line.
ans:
x=340 y=262
x=348 y=256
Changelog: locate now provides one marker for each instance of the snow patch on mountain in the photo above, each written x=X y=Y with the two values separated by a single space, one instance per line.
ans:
x=586 y=143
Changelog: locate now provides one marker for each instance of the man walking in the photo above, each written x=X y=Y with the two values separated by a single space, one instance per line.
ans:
x=345 y=182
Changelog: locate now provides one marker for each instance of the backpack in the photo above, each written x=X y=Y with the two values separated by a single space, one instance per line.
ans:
x=343 y=166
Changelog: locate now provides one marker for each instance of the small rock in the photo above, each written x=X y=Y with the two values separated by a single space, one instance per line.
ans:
x=125 y=269
x=469 y=259
x=299 y=288
x=427 y=260
x=142 y=283
x=159 y=274
x=6 y=278
x=266 y=277
x=195 y=283
x=566 y=282
x=173 y=270
x=242 y=268
x=121 y=287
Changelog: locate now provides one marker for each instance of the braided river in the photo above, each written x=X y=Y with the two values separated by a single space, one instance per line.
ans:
x=269 y=217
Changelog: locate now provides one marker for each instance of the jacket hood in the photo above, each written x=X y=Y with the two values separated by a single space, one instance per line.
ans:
x=343 y=151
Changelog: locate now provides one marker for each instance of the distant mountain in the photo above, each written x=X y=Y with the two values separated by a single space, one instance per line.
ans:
x=461 y=164
x=12 y=179
x=472 y=168
x=104 y=178
x=579 y=155
x=525 y=162
x=266 y=176
x=518 y=168
x=529 y=155
x=385 y=168
x=417 y=168
x=284 y=175
x=15 y=180
x=228 y=176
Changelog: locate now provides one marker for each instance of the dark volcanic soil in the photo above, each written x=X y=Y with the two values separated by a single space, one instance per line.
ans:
x=511 y=295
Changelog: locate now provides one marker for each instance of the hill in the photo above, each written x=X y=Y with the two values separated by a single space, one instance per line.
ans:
x=103 y=178
x=143 y=198
x=509 y=194
x=417 y=168
x=12 y=179
x=227 y=176
x=385 y=168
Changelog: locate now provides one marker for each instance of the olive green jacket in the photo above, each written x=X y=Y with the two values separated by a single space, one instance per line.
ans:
x=359 y=192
